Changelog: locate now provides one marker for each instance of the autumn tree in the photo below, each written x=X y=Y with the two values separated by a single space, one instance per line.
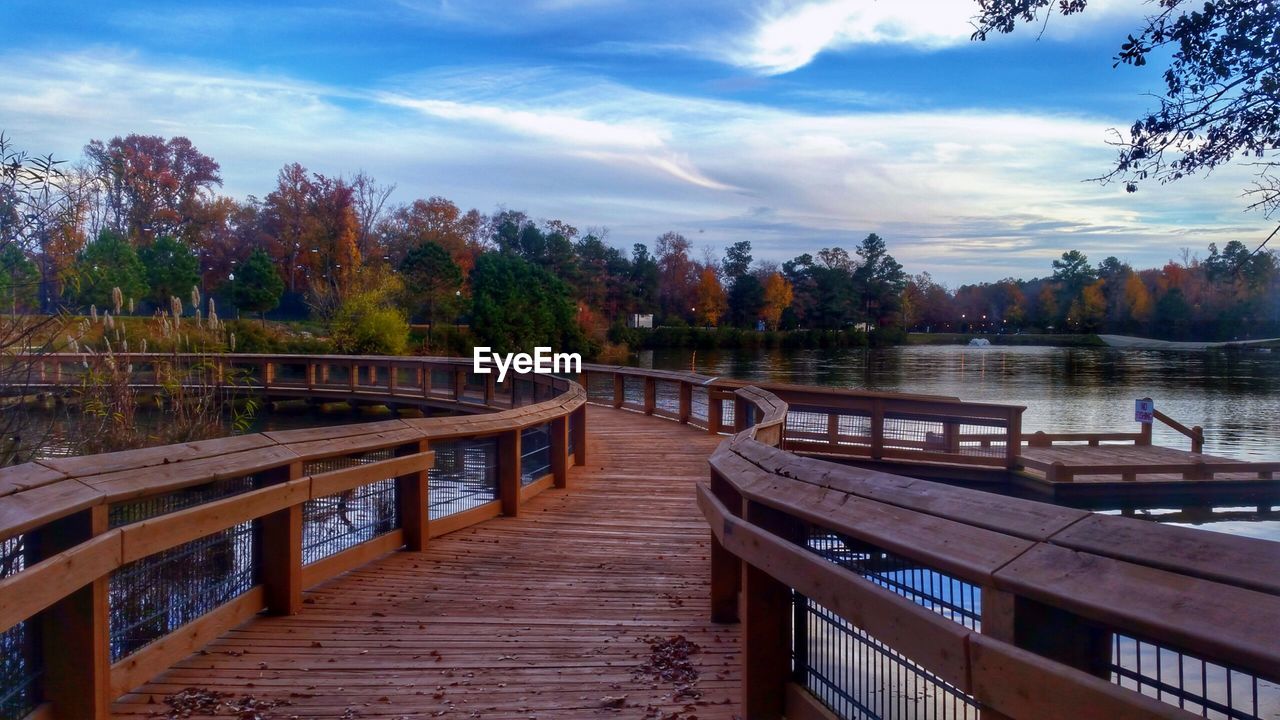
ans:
x=153 y=187
x=435 y=220
x=1137 y=301
x=710 y=298
x=678 y=275
x=777 y=298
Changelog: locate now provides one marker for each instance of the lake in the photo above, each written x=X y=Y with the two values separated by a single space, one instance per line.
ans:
x=1234 y=396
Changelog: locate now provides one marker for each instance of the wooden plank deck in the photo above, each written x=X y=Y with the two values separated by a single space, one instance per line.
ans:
x=1137 y=457
x=541 y=616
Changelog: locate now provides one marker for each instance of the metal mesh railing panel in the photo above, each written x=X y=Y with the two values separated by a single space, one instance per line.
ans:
x=535 y=453
x=944 y=594
x=600 y=388
x=154 y=596
x=133 y=511
x=19 y=660
x=633 y=390
x=667 y=396
x=442 y=382
x=334 y=523
x=698 y=404
x=1205 y=688
x=858 y=677
x=465 y=476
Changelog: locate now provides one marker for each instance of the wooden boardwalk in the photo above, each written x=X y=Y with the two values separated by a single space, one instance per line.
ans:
x=545 y=615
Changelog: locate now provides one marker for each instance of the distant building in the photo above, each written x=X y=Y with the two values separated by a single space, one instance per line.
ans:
x=636 y=320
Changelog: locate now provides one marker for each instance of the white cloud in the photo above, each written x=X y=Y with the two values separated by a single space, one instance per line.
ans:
x=967 y=195
x=788 y=35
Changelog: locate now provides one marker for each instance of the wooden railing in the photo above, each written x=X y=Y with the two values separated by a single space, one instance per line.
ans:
x=1141 y=437
x=827 y=421
x=398 y=381
x=864 y=594
x=115 y=566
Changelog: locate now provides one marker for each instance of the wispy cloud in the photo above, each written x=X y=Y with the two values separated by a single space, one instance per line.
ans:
x=788 y=35
x=962 y=193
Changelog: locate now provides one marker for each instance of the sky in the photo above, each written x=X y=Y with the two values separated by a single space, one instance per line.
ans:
x=796 y=124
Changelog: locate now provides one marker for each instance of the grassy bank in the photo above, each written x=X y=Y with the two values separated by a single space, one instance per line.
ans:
x=1044 y=339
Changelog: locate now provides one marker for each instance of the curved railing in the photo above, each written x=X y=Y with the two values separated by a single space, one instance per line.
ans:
x=114 y=566
x=867 y=595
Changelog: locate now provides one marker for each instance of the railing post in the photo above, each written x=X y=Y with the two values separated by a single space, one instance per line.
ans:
x=459 y=384
x=686 y=401
x=650 y=395
x=280 y=549
x=715 y=411
x=391 y=378
x=311 y=375
x=268 y=374
x=741 y=408
x=75 y=631
x=559 y=428
x=509 y=472
x=619 y=389
x=1144 y=434
x=412 y=497
x=491 y=389
x=726 y=568
x=1197 y=439
x=579 y=429
x=766 y=625
x=877 y=428
x=1013 y=440
x=1047 y=631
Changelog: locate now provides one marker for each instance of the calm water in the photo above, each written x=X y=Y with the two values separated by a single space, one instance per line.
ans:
x=1235 y=397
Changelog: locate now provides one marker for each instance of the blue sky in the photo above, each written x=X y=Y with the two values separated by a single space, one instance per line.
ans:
x=795 y=125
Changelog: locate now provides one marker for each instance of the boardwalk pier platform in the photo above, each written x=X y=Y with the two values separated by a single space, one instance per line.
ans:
x=680 y=548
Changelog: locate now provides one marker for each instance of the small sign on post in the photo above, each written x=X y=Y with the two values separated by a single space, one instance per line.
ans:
x=1144 y=410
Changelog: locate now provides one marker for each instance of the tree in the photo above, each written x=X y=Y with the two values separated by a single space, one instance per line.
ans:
x=1072 y=272
x=257 y=286
x=710 y=298
x=746 y=300
x=777 y=298
x=19 y=278
x=1221 y=95
x=517 y=306
x=1137 y=299
x=364 y=326
x=172 y=269
x=152 y=186
x=106 y=263
x=880 y=277
x=677 y=275
x=431 y=279
x=737 y=260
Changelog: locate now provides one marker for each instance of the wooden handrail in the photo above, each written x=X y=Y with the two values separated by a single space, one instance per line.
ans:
x=1196 y=434
x=60 y=507
x=1202 y=594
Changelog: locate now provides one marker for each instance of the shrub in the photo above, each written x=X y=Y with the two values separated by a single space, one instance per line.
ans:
x=365 y=326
